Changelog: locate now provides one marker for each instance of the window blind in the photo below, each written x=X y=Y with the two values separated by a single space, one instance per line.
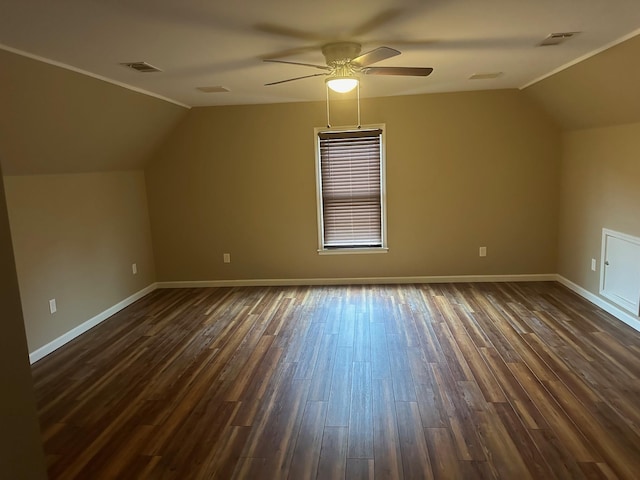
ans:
x=350 y=167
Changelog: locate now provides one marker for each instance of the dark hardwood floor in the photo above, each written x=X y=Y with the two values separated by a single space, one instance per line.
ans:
x=446 y=381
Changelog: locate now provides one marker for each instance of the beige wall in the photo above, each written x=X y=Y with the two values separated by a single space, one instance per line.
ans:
x=597 y=104
x=76 y=235
x=21 y=454
x=58 y=121
x=463 y=170
x=600 y=189
x=75 y=238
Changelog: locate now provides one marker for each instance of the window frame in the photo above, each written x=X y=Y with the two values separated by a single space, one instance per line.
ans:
x=322 y=249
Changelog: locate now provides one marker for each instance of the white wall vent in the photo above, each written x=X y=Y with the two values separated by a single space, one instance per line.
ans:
x=143 y=67
x=485 y=76
x=213 y=89
x=557 y=38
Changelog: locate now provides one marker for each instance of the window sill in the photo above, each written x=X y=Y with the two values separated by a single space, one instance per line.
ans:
x=354 y=251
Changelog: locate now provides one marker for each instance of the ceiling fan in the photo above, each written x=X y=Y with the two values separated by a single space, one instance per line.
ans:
x=344 y=63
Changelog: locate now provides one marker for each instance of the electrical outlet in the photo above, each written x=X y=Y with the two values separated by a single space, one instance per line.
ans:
x=593 y=264
x=52 y=306
x=483 y=251
x=226 y=257
x=134 y=268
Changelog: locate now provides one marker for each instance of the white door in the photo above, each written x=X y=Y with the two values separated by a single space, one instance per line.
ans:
x=620 y=273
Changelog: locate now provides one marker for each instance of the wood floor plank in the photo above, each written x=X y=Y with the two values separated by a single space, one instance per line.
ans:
x=580 y=447
x=323 y=369
x=332 y=464
x=346 y=337
x=403 y=387
x=186 y=453
x=455 y=359
x=482 y=375
x=250 y=467
x=380 y=363
x=471 y=381
x=225 y=457
x=413 y=444
x=556 y=454
x=460 y=418
x=236 y=392
x=534 y=461
x=506 y=460
x=360 y=469
x=386 y=442
x=304 y=463
x=432 y=409
x=442 y=454
x=340 y=393
x=275 y=433
x=308 y=356
x=514 y=392
x=257 y=385
x=361 y=413
x=610 y=443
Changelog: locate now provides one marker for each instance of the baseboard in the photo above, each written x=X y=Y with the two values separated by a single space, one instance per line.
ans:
x=92 y=322
x=626 y=317
x=359 y=281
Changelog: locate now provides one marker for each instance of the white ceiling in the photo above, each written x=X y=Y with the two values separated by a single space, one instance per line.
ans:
x=197 y=43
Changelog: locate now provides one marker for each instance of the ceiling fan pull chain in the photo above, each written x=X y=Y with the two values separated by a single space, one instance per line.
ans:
x=358 y=95
x=328 y=122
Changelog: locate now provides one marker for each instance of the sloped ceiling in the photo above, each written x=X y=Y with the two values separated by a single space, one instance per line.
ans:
x=199 y=43
x=57 y=121
x=600 y=91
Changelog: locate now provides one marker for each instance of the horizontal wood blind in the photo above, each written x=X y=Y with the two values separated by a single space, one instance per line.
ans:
x=350 y=166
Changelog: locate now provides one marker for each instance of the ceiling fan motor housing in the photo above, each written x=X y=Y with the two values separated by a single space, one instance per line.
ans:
x=340 y=53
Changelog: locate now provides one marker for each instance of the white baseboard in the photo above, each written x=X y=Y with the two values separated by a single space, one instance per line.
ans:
x=92 y=322
x=359 y=281
x=626 y=317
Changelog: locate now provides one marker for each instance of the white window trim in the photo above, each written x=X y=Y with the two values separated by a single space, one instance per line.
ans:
x=383 y=192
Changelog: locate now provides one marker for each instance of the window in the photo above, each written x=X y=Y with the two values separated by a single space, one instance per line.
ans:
x=350 y=177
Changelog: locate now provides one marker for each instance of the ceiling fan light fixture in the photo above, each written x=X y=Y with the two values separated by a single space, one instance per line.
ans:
x=342 y=84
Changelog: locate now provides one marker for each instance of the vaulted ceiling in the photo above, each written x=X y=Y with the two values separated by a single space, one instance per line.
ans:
x=209 y=44
x=57 y=120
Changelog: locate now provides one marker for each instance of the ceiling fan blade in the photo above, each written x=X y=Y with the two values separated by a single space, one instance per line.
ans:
x=403 y=71
x=376 y=22
x=475 y=43
x=398 y=42
x=288 y=52
x=296 y=78
x=288 y=32
x=374 y=56
x=273 y=60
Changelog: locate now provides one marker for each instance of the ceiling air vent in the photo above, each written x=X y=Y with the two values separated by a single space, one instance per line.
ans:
x=213 y=89
x=485 y=76
x=143 y=67
x=557 y=38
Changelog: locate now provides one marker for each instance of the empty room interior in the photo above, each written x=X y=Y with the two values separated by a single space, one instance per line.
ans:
x=217 y=264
